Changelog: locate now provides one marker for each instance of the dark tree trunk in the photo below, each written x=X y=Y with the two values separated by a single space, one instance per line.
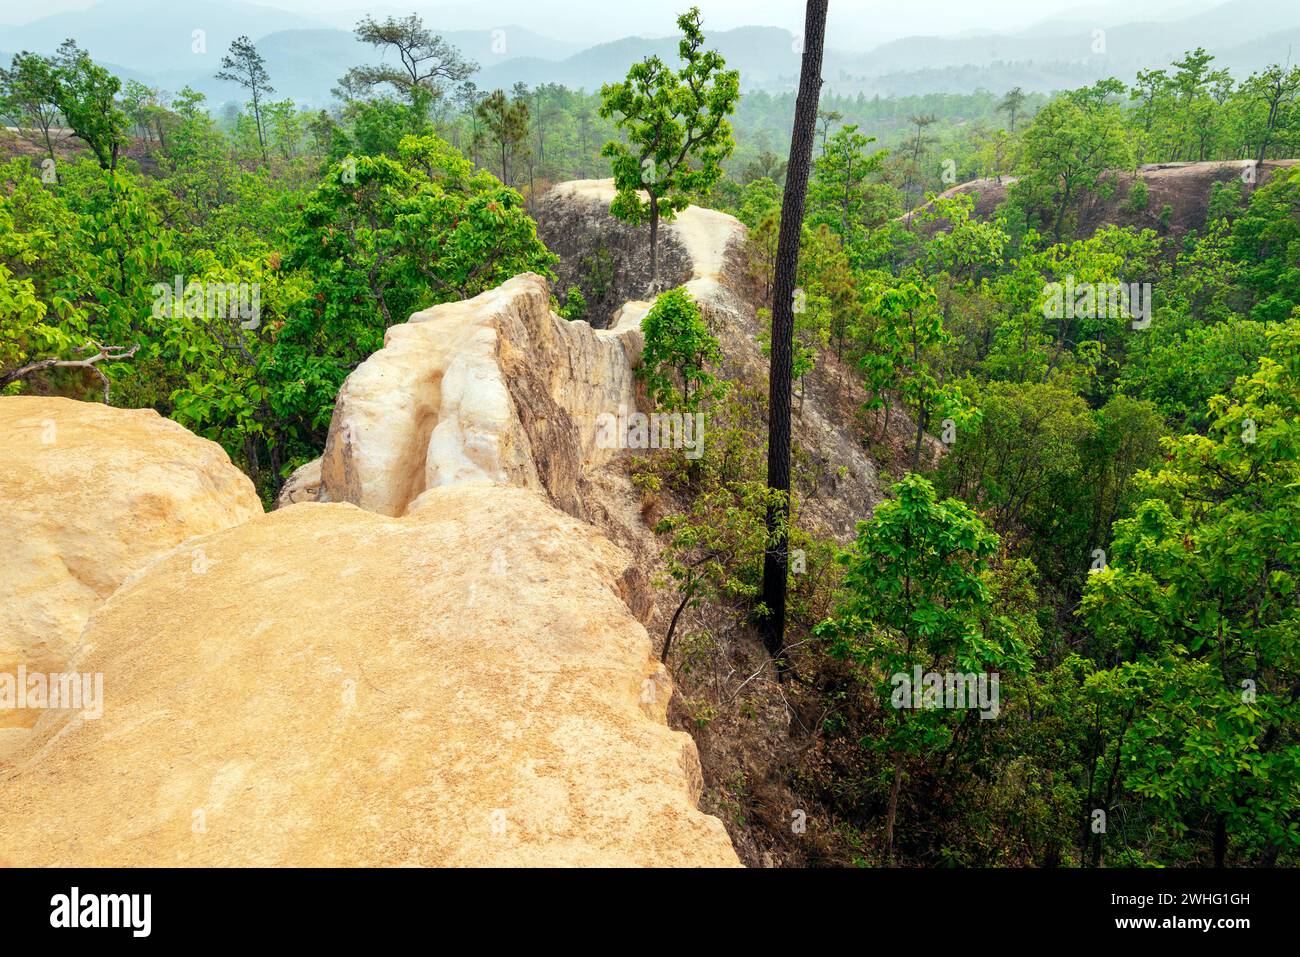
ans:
x=891 y=816
x=672 y=625
x=654 y=245
x=922 y=420
x=776 y=559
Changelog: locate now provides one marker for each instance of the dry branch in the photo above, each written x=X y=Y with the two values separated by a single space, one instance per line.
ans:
x=102 y=354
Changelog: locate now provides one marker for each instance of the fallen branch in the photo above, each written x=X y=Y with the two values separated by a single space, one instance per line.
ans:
x=102 y=354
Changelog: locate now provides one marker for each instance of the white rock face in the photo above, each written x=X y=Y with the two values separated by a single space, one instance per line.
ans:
x=495 y=390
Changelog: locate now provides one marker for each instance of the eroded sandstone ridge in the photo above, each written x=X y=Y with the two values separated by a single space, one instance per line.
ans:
x=500 y=390
x=464 y=685
x=419 y=658
x=708 y=256
x=90 y=496
x=494 y=390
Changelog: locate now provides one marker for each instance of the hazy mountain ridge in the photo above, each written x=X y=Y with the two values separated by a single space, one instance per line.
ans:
x=306 y=58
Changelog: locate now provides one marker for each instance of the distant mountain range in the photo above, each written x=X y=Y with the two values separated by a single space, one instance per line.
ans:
x=155 y=41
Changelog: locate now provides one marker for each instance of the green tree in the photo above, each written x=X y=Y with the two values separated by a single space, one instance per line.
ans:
x=28 y=96
x=678 y=353
x=1272 y=97
x=677 y=132
x=905 y=357
x=505 y=123
x=383 y=238
x=842 y=193
x=1266 y=245
x=426 y=64
x=915 y=594
x=1199 y=605
x=1012 y=104
x=1066 y=151
x=86 y=94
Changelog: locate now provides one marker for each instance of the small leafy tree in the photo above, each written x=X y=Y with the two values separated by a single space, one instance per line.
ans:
x=1012 y=104
x=505 y=124
x=714 y=547
x=677 y=132
x=915 y=594
x=1067 y=150
x=575 y=305
x=678 y=352
x=843 y=193
x=904 y=357
x=28 y=95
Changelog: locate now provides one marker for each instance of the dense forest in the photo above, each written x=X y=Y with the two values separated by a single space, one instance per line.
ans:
x=1097 y=498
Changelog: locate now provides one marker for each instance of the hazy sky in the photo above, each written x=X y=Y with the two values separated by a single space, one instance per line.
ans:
x=855 y=23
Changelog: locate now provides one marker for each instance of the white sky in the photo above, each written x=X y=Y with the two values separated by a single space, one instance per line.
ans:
x=853 y=23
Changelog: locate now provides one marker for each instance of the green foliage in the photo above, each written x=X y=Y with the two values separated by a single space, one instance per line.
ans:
x=1267 y=241
x=85 y=94
x=28 y=96
x=915 y=596
x=914 y=593
x=1199 y=604
x=759 y=199
x=904 y=358
x=1138 y=198
x=575 y=305
x=505 y=124
x=845 y=192
x=676 y=129
x=1067 y=151
x=679 y=351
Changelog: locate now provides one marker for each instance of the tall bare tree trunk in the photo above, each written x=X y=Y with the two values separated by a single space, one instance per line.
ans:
x=776 y=559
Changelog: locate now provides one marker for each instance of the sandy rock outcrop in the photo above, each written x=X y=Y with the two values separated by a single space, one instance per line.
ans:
x=716 y=275
x=493 y=390
x=304 y=485
x=88 y=496
x=500 y=390
x=464 y=685
x=1183 y=188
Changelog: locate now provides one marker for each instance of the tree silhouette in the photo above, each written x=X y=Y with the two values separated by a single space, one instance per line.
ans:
x=245 y=66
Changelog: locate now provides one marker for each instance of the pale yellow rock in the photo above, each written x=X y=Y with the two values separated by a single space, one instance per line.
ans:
x=89 y=495
x=464 y=685
x=304 y=485
x=494 y=390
